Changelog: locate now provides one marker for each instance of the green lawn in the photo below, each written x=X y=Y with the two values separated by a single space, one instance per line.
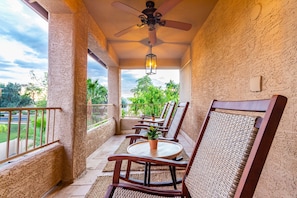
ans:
x=14 y=134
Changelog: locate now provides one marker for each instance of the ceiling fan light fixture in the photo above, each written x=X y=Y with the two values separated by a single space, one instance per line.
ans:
x=152 y=16
x=150 y=63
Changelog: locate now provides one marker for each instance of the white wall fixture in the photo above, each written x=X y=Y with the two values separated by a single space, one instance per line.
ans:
x=256 y=83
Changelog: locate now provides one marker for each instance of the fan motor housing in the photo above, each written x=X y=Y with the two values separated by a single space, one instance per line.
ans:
x=149 y=12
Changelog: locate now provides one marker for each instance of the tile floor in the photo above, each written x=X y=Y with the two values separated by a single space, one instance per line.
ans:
x=95 y=164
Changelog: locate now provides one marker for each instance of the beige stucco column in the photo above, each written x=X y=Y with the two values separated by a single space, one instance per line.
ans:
x=67 y=86
x=114 y=94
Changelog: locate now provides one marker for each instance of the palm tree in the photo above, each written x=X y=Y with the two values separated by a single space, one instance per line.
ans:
x=96 y=93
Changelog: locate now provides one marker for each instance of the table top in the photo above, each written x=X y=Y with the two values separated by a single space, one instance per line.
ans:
x=166 y=149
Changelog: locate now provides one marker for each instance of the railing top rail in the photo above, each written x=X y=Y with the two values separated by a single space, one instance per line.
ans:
x=146 y=104
x=101 y=105
x=28 y=108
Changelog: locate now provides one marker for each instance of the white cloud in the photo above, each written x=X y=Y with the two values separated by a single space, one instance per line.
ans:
x=16 y=74
x=15 y=50
x=164 y=76
x=21 y=14
x=18 y=55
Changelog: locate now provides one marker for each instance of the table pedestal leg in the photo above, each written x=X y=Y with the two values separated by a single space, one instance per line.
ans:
x=145 y=174
x=173 y=175
x=149 y=174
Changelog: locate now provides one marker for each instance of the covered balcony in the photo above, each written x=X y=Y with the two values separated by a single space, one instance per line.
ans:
x=235 y=50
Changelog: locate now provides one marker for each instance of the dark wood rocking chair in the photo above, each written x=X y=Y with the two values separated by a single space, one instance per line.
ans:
x=145 y=124
x=228 y=157
x=168 y=133
x=161 y=117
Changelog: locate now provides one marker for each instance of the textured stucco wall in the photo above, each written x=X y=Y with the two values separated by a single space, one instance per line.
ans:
x=242 y=39
x=34 y=174
x=128 y=123
x=97 y=136
x=67 y=75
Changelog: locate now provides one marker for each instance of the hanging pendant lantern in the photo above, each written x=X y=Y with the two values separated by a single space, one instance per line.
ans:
x=150 y=63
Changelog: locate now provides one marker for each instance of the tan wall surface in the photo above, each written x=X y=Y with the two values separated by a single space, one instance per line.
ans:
x=34 y=174
x=128 y=123
x=97 y=136
x=242 y=39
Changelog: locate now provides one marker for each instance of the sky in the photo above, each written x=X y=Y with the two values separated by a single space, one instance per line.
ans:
x=23 y=47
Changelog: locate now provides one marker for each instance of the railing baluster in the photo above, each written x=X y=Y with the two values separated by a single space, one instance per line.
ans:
x=8 y=134
x=54 y=123
x=27 y=130
x=19 y=132
x=41 y=127
x=34 y=133
x=48 y=120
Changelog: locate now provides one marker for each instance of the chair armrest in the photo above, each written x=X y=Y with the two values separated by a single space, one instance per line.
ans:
x=164 y=131
x=134 y=137
x=142 y=125
x=169 y=139
x=161 y=127
x=151 y=121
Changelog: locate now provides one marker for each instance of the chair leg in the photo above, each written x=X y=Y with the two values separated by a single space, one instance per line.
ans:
x=128 y=169
x=173 y=175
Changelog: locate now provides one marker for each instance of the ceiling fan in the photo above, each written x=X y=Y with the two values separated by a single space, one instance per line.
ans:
x=152 y=16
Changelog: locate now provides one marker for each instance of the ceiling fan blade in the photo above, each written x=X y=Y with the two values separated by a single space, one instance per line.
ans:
x=152 y=36
x=167 y=6
x=176 y=24
x=126 y=8
x=124 y=31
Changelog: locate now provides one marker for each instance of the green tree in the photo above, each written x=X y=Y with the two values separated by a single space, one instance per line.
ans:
x=3 y=128
x=11 y=97
x=146 y=93
x=96 y=92
x=142 y=85
x=124 y=102
x=155 y=97
x=37 y=89
x=41 y=103
x=172 y=91
x=2 y=86
x=33 y=91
